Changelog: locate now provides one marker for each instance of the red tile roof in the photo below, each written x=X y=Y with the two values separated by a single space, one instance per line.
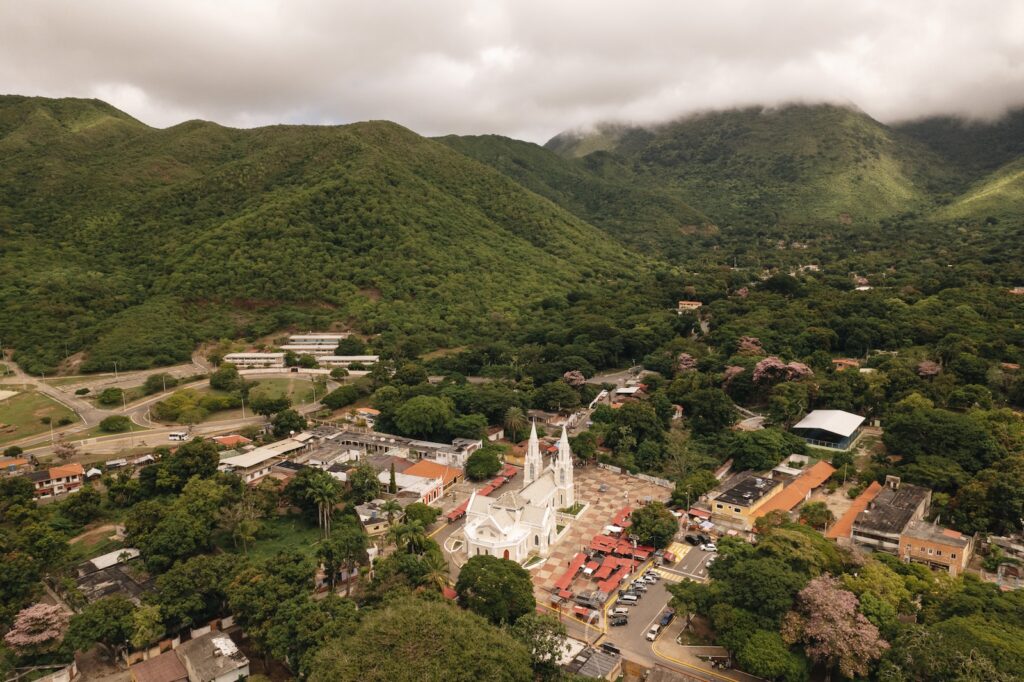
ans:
x=428 y=469
x=232 y=441
x=796 y=492
x=844 y=526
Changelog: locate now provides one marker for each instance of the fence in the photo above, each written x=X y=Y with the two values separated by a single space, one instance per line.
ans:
x=664 y=483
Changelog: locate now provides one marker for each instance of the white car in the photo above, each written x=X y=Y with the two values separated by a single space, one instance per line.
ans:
x=652 y=634
x=620 y=611
x=709 y=547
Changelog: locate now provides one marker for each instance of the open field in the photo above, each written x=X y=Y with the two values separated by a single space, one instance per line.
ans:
x=291 y=533
x=20 y=415
x=299 y=390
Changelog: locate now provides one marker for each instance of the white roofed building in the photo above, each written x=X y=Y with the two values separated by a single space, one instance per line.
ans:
x=255 y=464
x=829 y=428
x=517 y=523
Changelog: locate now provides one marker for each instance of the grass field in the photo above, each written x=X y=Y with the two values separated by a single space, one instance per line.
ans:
x=20 y=415
x=299 y=390
x=130 y=395
x=278 y=534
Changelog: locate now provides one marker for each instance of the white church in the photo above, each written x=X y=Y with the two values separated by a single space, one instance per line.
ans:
x=515 y=524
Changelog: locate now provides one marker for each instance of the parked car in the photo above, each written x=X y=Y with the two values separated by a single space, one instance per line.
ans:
x=652 y=576
x=652 y=634
x=629 y=599
x=617 y=621
x=639 y=586
x=704 y=538
x=620 y=611
x=667 y=617
x=693 y=540
x=709 y=547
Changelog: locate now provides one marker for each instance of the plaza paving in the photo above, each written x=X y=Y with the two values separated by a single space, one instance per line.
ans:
x=620 y=491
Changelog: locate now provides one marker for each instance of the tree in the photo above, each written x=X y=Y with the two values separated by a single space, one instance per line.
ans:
x=13 y=451
x=654 y=525
x=65 y=450
x=516 y=424
x=194 y=591
x=834 y=632
x=410 y=537
x=307 y=361
x=286 y=422
x=766 y=655
x=483 y=464
x=472 y=426
x=155 y=383
x=340 y=397
x=817 y=515
x=226 y=378
x=435 y=571
x=709 y=410
x=425 y=514
x=345 y=548
x=497 y=589
x=392 y=508
x=350 y=345
x=688 y=490
x=110 y=396
x=148 y=626
x=363 y=483
x=410 y=374
x=545 y=639
x=37 y=629
x=762 y=450
x=424 y=417
x=411 y=640
x=555 y=396
x=115 y=423
x=83 y=506
x=325 y=493
x=196 y=458
x=338 y=372
x=392 y=483
x=267 y=405
x=109 y=621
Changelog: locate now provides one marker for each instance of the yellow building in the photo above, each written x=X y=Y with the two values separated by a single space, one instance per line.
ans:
x=738 y=504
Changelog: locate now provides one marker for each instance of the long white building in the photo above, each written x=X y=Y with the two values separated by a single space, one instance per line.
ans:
x=248 y=360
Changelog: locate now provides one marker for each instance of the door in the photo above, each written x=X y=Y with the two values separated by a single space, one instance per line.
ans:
x=506 y=554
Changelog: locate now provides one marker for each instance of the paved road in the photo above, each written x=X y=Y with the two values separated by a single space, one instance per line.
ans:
x=694 y=565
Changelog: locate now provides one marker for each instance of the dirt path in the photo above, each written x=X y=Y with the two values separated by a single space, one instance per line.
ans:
x=102 y=531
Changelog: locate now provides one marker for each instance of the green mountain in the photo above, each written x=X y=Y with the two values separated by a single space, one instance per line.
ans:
x=974 y=146
x=997 y=195
x=794 y=165
x=600 y=191
x=132 y=243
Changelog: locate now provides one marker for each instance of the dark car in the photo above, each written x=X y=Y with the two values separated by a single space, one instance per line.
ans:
x=704 y=538
x=693 y=540
x=617 y=621
x=667 y=617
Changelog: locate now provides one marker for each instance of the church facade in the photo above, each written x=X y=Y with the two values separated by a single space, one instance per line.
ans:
x=517 y=523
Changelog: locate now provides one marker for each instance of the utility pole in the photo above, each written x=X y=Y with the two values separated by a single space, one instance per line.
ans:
x=243 y=404
x=115 y=370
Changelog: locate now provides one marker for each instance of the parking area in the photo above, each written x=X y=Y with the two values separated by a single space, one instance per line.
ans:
x=642 y=615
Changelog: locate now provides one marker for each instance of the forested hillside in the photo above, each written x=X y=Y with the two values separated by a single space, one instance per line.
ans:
x=134 y=242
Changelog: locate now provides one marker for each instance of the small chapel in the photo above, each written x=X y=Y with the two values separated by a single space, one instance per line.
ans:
x=517 y=523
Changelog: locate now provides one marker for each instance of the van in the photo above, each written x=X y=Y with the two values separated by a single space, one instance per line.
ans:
x=177 y=435
x=652 y=634
x=628 y=599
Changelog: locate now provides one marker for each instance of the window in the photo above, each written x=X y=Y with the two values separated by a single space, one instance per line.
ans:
x=952 y=556
x=737 y=509
x=938 y=552
x=718 y=506
x=929 y=550
x=536 y=539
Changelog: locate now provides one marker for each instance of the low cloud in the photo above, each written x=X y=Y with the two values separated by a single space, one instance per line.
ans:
x=522 y=68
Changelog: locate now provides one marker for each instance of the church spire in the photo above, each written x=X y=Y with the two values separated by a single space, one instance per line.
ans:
x=563 y=472
x=534 y=462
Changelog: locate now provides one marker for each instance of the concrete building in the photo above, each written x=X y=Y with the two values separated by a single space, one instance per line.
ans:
x=881 y=524
x=255 y=464
x=213 y=657
x=58 y=480
x=688 y=306
x=738 y=503
x=319 y=338
x=829 y=428
x=799 y=489
x=374 y=443
x=936 y=547
x=346 y=360
x=255 y=360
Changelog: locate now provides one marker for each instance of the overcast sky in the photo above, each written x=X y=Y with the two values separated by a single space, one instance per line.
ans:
x=525 y=68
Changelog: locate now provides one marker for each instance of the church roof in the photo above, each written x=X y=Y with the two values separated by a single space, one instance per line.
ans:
x=510 y=500
x=541 y=489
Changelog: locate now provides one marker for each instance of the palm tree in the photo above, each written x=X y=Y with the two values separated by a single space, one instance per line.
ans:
x=391 y=508
x=436 y=573
x=515 y=422
x=410 y=536
x=326 y=493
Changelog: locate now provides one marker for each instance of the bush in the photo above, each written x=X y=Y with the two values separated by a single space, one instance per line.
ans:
x=82 y=391
x=64 y=421
x=116 y=423
x=340 y=397
x=110 y=396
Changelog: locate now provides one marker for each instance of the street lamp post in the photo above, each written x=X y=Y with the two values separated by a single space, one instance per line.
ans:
x=115 y=370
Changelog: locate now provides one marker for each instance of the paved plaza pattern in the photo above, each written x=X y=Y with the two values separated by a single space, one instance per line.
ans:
x=620 y=491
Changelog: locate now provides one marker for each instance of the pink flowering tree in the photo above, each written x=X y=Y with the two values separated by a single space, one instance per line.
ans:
x=832 y=629
x=574 y=378
x=750 y=345
x=685 y=363
x=731 y=372
x=37 y=629
x=927 y=369
x=772 y=370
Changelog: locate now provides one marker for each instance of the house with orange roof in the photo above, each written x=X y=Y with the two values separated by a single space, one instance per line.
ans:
x=58 y=480
x=799 y=490
x=845 y=363
x=427 y=469
x=841 y=530
x=945 y=549
x=232 y=441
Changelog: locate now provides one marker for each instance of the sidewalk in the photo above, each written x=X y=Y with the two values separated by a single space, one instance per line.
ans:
x=666 y=648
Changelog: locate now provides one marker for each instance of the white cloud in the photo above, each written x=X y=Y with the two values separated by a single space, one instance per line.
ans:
x=518 y=67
